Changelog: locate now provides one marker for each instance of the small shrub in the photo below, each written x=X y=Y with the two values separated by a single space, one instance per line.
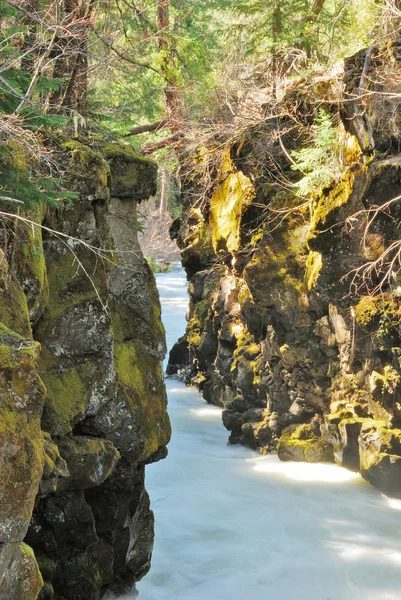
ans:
x=320 y=162
x=383 y=310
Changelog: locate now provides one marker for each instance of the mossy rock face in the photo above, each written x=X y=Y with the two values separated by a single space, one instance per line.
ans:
x=227 y=206
x=21 y=399
x=77 y=359
x=90 y=461
x=79 y=484
x=194 y=238
x=54 y=467
x=77 y=386
x=71 y=283
x=336 y=198
x=274 y=279
x=21 y=470
x=136 y=421
x=301 y=444
x=65 y=400
x=132 y=175
x=380 y=456
x=14 y=312
x=90 y=171
x=29 y=263
x=20 y=578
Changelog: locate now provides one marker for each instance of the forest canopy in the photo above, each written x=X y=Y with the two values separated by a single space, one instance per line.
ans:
x=163 y=67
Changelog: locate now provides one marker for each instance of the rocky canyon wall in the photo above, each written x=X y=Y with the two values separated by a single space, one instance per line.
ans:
x=304 y=360
x=82 y=398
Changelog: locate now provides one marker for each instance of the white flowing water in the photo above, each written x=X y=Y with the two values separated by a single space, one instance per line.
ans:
x=231 y=525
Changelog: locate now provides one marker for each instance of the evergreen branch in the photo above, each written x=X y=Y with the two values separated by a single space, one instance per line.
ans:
x=30 y=14
x=124 y=57
x=10 y=87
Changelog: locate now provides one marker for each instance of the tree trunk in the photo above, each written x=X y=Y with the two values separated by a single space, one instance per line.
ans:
x=72 y=63
x=276 y=30
x=167 y=68
x=28 y=61
x=164 y=191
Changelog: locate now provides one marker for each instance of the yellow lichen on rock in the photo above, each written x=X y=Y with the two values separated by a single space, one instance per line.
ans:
x=227 y=206
x=140 y=377
x=300 y=443
x=21 y=397
x=21 y=579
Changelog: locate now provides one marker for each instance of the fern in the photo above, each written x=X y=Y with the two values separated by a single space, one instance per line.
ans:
x=319 y=163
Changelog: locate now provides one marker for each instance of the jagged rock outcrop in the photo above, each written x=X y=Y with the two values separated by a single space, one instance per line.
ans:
x=83 y=403
x=304 y=361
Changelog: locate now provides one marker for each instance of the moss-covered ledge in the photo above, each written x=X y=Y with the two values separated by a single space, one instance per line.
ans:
x=132 y=175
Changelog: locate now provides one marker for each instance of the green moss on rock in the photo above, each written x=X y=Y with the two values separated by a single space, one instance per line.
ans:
x=21 y=580
x=132 y=175
x=70 y=285
x=336 y=198
x=66 y=398
x=299 y=443
x=89 y=170
x=14 y=312
x=384 y=310
x=20 y=472
x=227 y=206
x=90 y=461
x=380 y=456
x=140 y=378
x=29 y=263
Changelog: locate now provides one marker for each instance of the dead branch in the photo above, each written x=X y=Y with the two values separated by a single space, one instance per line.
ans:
x=168 y=141
x=38 y=71
x=156 y=126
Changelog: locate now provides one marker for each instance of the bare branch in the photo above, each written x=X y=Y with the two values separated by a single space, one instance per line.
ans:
x=37 y=74
x=168 y=141
x=8 y=199
x=156 y=126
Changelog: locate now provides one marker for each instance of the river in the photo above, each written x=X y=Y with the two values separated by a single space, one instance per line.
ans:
x=232 y=525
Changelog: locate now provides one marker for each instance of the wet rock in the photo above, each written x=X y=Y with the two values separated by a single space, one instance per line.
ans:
x=178 y=357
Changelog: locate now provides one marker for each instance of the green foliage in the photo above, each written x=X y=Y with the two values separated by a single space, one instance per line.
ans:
x=320 y=162
x=328 y=33
x=383 y=310
x=158 y=266
x=19 y=182
x=12 y=88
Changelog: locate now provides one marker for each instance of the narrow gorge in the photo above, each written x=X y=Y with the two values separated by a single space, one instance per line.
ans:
x=230 y=172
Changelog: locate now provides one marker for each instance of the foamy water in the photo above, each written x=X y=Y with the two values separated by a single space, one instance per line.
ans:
x=231 y=525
